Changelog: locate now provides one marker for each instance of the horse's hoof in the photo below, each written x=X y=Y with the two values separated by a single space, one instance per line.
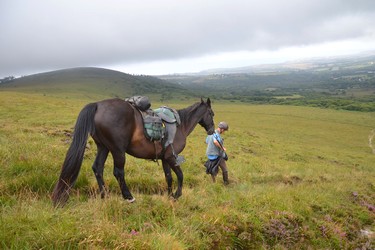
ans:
x=131 y=200
x=175 y=197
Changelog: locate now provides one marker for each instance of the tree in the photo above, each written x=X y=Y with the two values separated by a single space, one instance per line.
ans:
x=7 y=79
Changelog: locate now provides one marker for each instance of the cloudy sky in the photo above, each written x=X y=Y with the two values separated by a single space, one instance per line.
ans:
x=170 y=36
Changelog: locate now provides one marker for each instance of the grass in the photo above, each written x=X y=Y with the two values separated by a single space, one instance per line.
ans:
x=301 y=178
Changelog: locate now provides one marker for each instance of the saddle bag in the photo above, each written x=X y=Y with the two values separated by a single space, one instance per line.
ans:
x=140 y=102
x=154 y=128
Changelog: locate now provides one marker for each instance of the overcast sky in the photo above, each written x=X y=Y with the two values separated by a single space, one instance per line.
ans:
x=171 y=36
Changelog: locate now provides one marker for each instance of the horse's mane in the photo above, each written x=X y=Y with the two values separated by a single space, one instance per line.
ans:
x=186 y=111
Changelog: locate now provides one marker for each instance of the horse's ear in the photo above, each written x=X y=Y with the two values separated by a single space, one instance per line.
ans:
x=202 y=100
x=209 y=102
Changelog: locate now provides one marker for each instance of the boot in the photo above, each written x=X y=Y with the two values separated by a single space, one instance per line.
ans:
x=225 y=178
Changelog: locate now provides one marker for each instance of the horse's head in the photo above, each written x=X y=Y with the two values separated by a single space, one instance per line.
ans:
x=207 y=121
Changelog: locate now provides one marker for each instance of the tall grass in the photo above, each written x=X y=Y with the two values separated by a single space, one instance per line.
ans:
x=299 y=178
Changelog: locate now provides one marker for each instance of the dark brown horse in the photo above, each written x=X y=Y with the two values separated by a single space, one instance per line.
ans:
x=117 y=127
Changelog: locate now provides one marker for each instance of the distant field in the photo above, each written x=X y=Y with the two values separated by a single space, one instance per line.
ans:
x=301 y=178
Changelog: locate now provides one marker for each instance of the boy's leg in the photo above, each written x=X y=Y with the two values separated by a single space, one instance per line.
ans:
x=224 y=169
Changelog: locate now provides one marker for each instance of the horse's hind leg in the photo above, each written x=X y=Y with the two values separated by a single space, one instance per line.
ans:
x=98 y=167
x=119 y=173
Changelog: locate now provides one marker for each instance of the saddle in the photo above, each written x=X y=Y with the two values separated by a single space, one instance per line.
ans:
x=159 y=124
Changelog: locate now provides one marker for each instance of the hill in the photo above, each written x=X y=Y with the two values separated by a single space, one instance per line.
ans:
x=322 y=73
x=94 y=81
x=341 y=83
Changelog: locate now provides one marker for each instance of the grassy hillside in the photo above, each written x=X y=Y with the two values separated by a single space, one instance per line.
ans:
x=301 y=178
x=95 y=83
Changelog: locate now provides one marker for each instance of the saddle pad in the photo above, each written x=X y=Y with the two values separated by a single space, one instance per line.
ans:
x=166 y=114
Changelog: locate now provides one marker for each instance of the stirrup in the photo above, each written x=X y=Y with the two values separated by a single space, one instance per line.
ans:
x=179 y=160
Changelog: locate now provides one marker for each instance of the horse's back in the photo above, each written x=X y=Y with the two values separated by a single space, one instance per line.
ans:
x=112 y=112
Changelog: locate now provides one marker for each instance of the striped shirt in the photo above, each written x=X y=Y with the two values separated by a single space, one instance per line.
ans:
x=213 y=151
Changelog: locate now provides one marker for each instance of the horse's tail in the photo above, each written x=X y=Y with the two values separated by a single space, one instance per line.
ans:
x=74 y=157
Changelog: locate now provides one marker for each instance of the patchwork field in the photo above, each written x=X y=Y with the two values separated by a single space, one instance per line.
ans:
x=300 y=178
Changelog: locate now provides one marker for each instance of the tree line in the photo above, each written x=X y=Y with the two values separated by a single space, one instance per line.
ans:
x=7 y=79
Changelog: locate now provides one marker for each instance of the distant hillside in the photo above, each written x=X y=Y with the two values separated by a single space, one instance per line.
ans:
x=341 y=83
x=315 y=64
x=283 y=75
x=323 y=74
x=94 y=81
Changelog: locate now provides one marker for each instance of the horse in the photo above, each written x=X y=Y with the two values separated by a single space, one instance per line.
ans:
x=116 y=127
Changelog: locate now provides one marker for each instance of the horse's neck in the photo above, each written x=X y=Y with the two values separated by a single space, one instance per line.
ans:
x=189 y=119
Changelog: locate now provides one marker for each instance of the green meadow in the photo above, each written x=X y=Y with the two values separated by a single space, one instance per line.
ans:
x=300 y=178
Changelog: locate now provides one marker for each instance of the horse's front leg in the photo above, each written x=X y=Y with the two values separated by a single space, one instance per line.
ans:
x=168 y=176
x=180 y=179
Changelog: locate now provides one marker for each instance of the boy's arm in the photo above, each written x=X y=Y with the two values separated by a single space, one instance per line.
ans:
x=217 y=144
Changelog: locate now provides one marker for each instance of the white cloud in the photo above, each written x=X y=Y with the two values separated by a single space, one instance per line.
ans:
x=248 y=58
x=173 y=35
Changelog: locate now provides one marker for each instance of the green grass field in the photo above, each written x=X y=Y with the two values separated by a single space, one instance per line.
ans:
x=301 y=178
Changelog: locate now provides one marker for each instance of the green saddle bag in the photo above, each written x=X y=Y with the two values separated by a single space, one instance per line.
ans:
x=154 y=128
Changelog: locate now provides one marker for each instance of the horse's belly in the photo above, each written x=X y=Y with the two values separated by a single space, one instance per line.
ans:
x=145 y=149
x=140 y=146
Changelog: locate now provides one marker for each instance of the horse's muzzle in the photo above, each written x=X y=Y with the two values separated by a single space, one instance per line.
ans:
x=210 y=131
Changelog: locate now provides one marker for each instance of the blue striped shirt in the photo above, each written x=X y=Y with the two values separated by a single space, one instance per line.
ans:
x=213 y=151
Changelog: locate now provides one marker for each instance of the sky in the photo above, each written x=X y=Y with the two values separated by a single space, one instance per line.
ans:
x=155 y=37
